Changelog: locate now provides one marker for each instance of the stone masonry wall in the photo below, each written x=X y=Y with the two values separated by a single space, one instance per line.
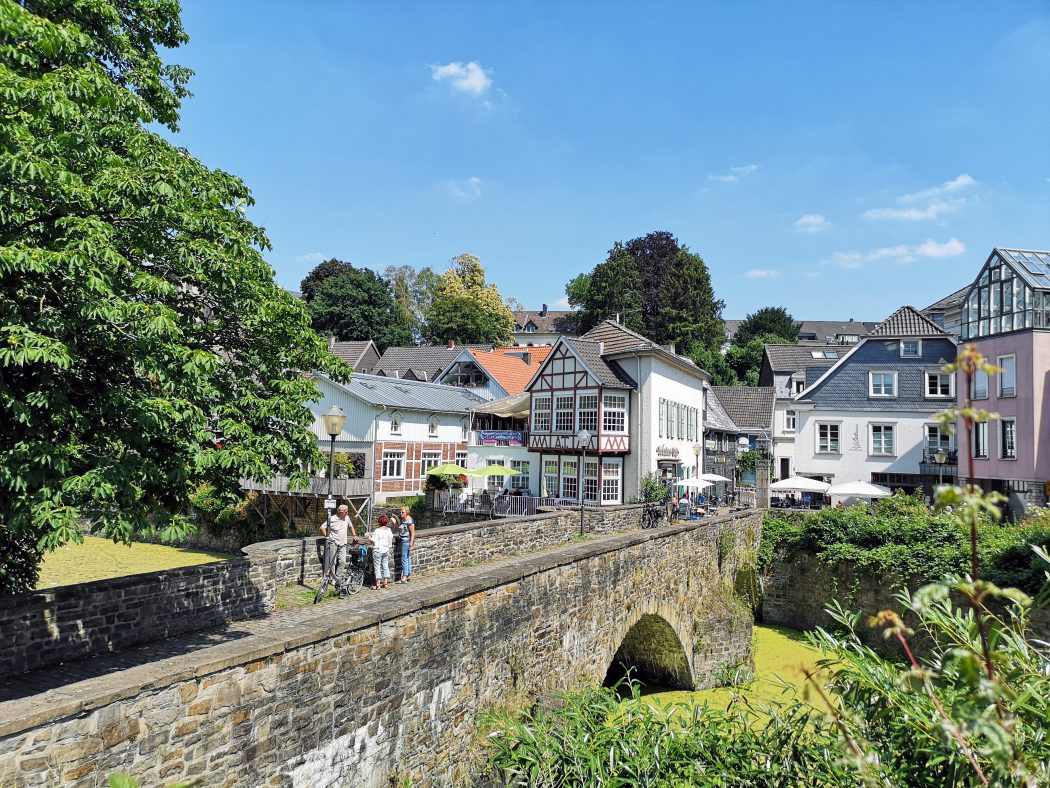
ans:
x=46 y=627
x=388 y=691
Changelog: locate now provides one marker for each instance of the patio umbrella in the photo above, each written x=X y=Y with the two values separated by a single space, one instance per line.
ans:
x=858 y=490
x=799 y=484
x=448 y=468
x=699 y=484
x=494 y=470
x=713 y=477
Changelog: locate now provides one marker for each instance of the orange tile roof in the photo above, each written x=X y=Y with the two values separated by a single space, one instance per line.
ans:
x=539 y=352
x=510 y=372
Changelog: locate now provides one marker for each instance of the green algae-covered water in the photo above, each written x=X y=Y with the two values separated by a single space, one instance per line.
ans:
x=778 y=652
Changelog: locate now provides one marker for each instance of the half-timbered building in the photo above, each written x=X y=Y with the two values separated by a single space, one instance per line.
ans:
x=608 y=408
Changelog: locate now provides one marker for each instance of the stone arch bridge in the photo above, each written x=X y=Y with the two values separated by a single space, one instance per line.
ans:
x=386 y=686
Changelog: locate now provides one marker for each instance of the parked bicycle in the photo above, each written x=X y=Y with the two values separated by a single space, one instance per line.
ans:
x=652 y=514
x=354 y=577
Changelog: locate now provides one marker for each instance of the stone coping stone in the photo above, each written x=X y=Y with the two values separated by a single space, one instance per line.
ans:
x=297 y=628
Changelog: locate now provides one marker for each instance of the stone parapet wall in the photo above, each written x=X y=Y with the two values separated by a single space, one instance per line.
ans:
x=69 y=622
x=386 y=691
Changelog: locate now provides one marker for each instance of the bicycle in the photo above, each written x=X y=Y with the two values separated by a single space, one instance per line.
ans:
x=355 y=570
x=652 y=514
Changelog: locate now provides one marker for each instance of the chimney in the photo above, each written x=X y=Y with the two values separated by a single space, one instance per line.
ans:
x=526 y=357
x=451 y=343
x=851 y=320
x=543 y=311
x=601 y=348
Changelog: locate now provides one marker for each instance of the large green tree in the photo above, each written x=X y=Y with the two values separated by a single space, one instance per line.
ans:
x=358 y=304
x=770 y=320
x=144 y=346
x=413 y=293
x=657 y=287
x=467 y=309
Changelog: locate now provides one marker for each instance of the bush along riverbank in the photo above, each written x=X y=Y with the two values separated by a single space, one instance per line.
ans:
x=965 y=704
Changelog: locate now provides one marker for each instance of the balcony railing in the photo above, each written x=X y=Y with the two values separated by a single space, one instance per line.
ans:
x=930 y=467
x=344 y=488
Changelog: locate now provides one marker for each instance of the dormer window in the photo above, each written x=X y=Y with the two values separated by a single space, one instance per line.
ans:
x=395 y=423
x=432 y=427
x=911 y=348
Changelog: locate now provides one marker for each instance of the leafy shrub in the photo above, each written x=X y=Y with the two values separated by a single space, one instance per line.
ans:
x=20 y=559
x=652 y=489
x=417 y=504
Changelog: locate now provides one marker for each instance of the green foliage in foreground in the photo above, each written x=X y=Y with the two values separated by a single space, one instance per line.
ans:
x=942 y=719
x=900 y=536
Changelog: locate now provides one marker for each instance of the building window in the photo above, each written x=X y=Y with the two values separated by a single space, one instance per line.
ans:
x=882 y=384
x=882 y=439
x=1008 y=439
x=428 y=460
x=937 y=440
x=521 y=480
x=980 y=385
x=662 y=414
x=614 y=413
x=550 y=478
x=690 y=424
x=494 y=482
x=432 y=426
x=800 y=385
x=393 y=465
x=568 y=479
x=979 y=439
x=789 y=421
x=1008 y=376
x=828 y=438
x=395 y=423
x=563 y=415
x=461 y=459
x=681 y=421
x=541 y=414
x=911 y=348
x=610 y=481
x=938 y=384
x=588 y=413
x=590 y=481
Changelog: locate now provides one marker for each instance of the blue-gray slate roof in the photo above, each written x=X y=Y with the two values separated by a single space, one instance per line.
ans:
x=846 y=385
x=410 y=394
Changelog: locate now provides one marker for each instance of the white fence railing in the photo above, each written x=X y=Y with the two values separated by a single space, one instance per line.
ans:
x=343 y=488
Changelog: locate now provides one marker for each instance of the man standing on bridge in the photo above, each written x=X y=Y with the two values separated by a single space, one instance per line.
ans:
x=337 y=526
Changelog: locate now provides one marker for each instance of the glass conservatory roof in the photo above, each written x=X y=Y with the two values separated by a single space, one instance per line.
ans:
x=1031 y=265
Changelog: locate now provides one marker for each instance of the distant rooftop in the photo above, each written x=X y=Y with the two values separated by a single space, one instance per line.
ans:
x=750 y=407
x=908 y=322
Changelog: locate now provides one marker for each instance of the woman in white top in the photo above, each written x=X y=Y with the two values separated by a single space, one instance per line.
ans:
x=382 y=541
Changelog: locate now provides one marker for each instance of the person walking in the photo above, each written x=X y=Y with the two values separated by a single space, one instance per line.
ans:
x=382 y=541
x=337 y=527
x=406 y=532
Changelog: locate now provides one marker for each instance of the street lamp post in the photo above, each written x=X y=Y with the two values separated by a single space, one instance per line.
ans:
x=333 y=419
x=697 y=448
x=940 y=458
x=584 y=438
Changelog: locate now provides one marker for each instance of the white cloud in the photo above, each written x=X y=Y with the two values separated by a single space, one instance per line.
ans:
x=733 y=174
x=812 y=223
x=468 y=189
x=938 y=201
x=561 y=303
x=312 y=257
x=463 y=77
x=901 y=253
x=762 y=273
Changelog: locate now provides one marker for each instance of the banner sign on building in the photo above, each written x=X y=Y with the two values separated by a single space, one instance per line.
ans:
x=501 y=438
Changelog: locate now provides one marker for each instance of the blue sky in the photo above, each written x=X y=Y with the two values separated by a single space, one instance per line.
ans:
x=839 y=159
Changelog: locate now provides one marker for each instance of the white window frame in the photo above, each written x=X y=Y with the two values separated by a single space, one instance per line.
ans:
x=541 y=409
x=465 y=431
x=428 y=459
x=978 y=376
x=393 y=456
x=661 y=414
x=1002 y=438
x=395 y=423
x=944 y=440
x=612 y=480
x=495 y=482
x=882 y=427
x=569 y=477
x=461 y=458
x=593 y=494
x=790 y=420
x=1003 y=390
x=800 y=386
x=918 y=348
x=979 y=428
x=592 y=426
x=871 y=384
x=610 y=409
x=433 y=426
x=520 y=481
x=838 y=437
x=571 y=410
x=935 y=377
x=552 y=480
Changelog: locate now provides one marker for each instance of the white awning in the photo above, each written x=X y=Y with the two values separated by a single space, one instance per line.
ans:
x=513 y=406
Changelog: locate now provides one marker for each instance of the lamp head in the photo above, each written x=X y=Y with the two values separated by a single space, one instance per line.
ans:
x=584 y=437
x=697 y=448
x=940 y=457
x=333 y=419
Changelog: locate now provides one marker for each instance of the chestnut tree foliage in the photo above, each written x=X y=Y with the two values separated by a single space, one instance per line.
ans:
x=144 y=346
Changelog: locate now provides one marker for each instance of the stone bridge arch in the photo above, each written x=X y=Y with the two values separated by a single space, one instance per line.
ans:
x=655 y=643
